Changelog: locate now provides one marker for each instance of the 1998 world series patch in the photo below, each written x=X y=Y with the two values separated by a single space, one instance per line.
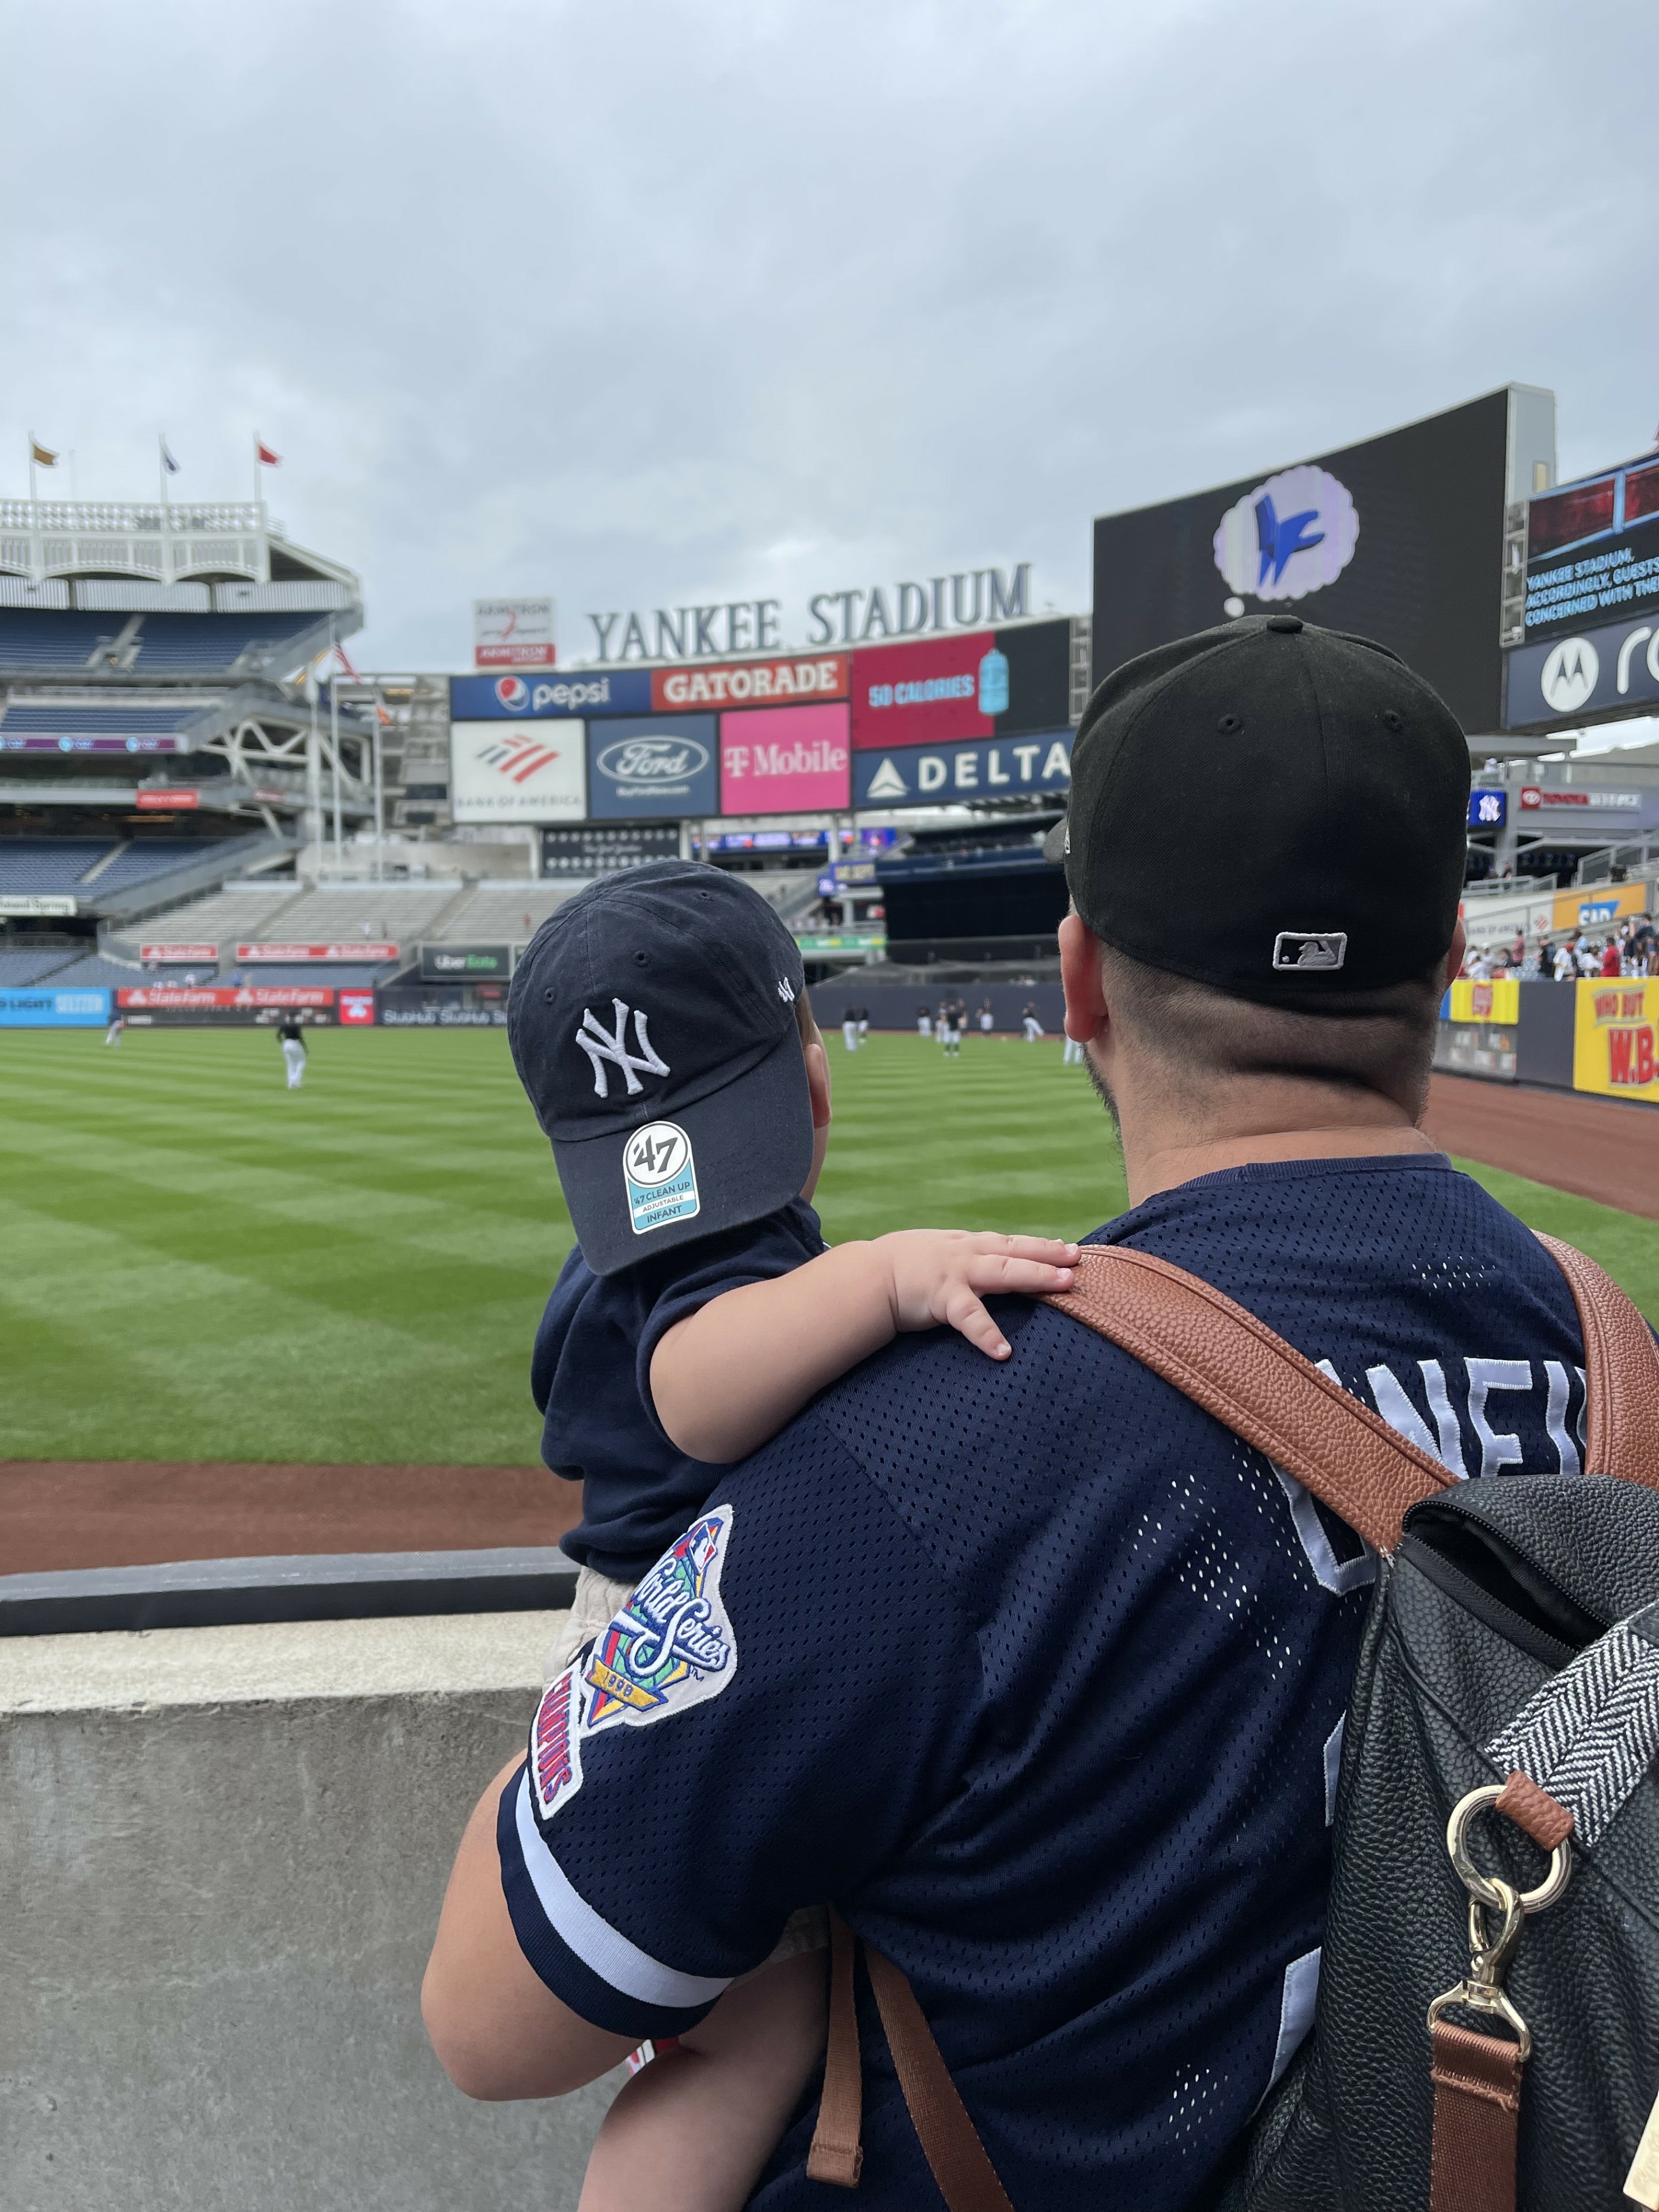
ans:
x=555 y=1748
x=671 y=1646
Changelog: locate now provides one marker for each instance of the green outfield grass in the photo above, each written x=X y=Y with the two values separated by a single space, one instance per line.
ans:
x=197 y=1264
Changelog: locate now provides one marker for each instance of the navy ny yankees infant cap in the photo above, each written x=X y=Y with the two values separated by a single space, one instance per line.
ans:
x=652 y=1023
x=1274 y=809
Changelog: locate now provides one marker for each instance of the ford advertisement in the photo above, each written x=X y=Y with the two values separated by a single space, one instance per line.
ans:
x=643 y=767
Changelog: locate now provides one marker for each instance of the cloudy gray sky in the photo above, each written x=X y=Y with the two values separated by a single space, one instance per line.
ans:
x=637 y=302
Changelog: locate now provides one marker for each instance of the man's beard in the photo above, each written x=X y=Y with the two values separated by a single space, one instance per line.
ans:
x=1103 y=1094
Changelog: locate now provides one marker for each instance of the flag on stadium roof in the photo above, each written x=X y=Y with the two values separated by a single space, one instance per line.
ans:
x=262 y=454
x=167 y=461
x=40 y=458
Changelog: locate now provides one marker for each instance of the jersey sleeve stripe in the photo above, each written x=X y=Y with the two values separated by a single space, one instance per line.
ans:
x=604 y=1950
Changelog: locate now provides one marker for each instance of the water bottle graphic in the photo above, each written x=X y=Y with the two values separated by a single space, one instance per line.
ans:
x=994 y=682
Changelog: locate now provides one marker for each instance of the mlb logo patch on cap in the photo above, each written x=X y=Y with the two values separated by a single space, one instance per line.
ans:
x=1311 y=948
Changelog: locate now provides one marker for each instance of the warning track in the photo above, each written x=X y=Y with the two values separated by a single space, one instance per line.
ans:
x=63 y=1514
x=1597 y=1148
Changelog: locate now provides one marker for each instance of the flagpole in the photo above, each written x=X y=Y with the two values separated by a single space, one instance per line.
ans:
x=166 y=510
x=334 y=740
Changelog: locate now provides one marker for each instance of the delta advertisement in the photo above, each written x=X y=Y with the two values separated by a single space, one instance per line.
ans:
x=925 y=775
x=1400 y=538
x=1614 y=1046
x=53 y=1010
x=537 y=774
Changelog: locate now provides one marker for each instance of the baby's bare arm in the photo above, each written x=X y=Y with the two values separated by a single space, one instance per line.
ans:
x=732 y=1375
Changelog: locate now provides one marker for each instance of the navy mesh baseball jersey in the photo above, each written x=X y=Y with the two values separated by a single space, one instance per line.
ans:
x=1038 y=1673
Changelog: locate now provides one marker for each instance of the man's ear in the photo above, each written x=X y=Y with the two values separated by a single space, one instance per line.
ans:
x=817 y=1080
x=1079 y=976
x=1458 y=952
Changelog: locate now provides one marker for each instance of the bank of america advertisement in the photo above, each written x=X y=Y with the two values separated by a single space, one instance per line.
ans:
x=1400 y=538
x=501 y=774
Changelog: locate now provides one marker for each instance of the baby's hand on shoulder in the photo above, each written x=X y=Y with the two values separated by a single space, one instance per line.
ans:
x=942 y=1274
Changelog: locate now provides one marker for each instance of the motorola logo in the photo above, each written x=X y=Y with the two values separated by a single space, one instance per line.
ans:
x=1568 y=675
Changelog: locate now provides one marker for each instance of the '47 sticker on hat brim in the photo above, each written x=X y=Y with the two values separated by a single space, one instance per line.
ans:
x=660 y=1176
x=671 y=1645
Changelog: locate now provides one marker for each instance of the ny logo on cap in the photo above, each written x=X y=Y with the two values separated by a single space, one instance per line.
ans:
x=1302 y=949
x=604 y=1046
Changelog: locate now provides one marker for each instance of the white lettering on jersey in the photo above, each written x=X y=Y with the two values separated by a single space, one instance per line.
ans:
x=1498 y=1448
x=602 y=1045
x=1555 y=1418
x=1398 y=1411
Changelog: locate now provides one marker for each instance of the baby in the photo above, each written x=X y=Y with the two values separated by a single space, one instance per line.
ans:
x=660 y=1024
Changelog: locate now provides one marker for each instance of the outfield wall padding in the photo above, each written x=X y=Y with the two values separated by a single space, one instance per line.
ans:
x=1595 y=1034
x=221 y=1855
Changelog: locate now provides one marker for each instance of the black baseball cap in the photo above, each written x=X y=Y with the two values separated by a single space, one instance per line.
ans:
x=1273 y=809
x=652 y=1023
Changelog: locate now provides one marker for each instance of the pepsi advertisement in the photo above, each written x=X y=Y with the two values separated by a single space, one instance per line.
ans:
x=940 y=775
x=531 y=698
x=1400 y=538
x=644 y=767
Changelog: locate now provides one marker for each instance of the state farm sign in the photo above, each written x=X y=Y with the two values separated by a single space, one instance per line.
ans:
x=252 y=955
x=751 y=684
x=178 y=954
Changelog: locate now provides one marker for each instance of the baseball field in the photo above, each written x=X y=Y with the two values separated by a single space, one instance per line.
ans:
x=200 y=1265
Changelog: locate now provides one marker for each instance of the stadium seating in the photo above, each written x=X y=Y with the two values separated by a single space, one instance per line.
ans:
x=399 y=915
x=190 y=644
x=500 y=915
x=95 y=972
x=30 y=638
x=48 y=864
x=147 y=857
x=121 y=719
x=222 y=918
x=19 y=969
x=197 y=643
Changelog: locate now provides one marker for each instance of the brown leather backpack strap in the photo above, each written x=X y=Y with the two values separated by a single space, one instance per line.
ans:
x=1477 y=2119
x=837 y=2153
x=1621 y=1371
x=1233 y=1365
x=950 y=2141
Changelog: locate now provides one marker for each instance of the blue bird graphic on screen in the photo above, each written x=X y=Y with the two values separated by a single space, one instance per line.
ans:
x=1279 y=540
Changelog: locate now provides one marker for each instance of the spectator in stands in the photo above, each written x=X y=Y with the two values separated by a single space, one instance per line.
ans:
x=1590 y=956
x=1518 y=948
x=1611 y=962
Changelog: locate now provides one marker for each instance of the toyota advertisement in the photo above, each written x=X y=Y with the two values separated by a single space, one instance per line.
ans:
x=534 y=773
x=1400 y=538
x=777 y=760
x=650 y=766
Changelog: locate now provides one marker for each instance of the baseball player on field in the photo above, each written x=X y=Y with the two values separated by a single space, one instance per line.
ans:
x=289 y=1030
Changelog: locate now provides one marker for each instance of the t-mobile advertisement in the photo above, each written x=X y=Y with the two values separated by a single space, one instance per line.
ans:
x=776 y=759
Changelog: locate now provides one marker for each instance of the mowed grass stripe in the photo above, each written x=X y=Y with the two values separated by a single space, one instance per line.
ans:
x=200 y=1266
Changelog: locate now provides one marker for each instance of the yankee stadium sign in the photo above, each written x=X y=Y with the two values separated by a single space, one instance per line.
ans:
x=971 y=598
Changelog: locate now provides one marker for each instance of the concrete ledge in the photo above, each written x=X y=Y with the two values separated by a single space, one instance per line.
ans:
x=306 y=1586
x=221 y=1853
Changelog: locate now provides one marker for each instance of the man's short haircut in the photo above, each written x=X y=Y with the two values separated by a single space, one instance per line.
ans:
x=1380 y=1041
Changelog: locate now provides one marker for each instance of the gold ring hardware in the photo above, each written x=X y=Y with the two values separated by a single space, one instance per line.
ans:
x=1487 y=1887
x=1489 y=1955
